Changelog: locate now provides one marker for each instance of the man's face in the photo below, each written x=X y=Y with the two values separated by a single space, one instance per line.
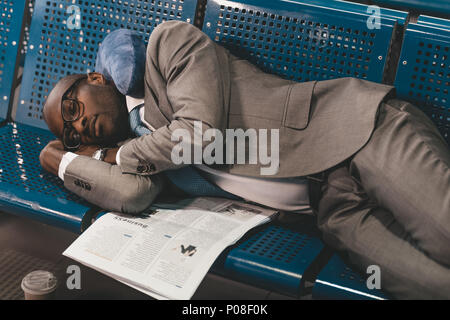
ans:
x=90 y=112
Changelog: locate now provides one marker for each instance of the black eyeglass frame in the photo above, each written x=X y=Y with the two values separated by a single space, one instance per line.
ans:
x=67 y=123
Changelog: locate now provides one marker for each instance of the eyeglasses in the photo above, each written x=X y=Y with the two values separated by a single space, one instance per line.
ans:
x=71 y=111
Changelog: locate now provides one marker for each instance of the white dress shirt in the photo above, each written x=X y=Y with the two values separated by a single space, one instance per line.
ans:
x=286 y=194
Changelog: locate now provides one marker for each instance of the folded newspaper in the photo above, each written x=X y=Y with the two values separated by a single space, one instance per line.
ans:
x=167 y=252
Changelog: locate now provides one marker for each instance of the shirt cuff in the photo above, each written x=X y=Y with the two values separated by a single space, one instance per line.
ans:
x=118 y=156
x=65 y=161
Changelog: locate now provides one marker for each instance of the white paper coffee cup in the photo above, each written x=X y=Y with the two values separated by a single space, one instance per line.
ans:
x=39 y=285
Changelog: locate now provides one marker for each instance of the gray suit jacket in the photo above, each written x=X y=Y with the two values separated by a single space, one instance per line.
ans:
x=190 y=78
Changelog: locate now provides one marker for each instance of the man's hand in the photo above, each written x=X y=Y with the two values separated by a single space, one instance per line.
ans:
x=111 y=155
x=51 y=156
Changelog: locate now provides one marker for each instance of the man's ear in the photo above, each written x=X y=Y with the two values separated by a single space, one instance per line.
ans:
x=96 y=78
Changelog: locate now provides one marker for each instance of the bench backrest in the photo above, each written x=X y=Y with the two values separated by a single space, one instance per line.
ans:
x=11 y=17
x=305 y=40
x=65 y=36
x=423 y=75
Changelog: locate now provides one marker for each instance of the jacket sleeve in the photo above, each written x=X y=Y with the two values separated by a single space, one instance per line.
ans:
x=195 y=73
x=104 y=185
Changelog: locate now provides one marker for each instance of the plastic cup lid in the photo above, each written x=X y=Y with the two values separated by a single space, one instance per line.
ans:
x=39 y=282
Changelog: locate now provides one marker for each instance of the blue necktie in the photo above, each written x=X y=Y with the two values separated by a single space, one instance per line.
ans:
x=187 y=178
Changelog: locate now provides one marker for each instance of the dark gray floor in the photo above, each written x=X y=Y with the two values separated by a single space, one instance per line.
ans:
x=27 y=245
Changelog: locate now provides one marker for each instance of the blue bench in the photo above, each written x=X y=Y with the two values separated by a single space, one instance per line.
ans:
x=300 y=40
x=54 y=51
x=11 y=17
x=423 y=75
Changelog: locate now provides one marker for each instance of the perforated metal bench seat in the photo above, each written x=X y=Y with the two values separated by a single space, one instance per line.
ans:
x=275 y=258
x=26 y=189
x=288 y=262
x=423 y=75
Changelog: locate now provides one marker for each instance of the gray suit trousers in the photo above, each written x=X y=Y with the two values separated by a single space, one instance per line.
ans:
x=390 y=205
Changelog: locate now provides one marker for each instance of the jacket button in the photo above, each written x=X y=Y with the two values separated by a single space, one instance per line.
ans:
x=145 y=168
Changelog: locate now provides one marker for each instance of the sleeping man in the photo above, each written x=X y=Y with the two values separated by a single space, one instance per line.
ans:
x=372 y=169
